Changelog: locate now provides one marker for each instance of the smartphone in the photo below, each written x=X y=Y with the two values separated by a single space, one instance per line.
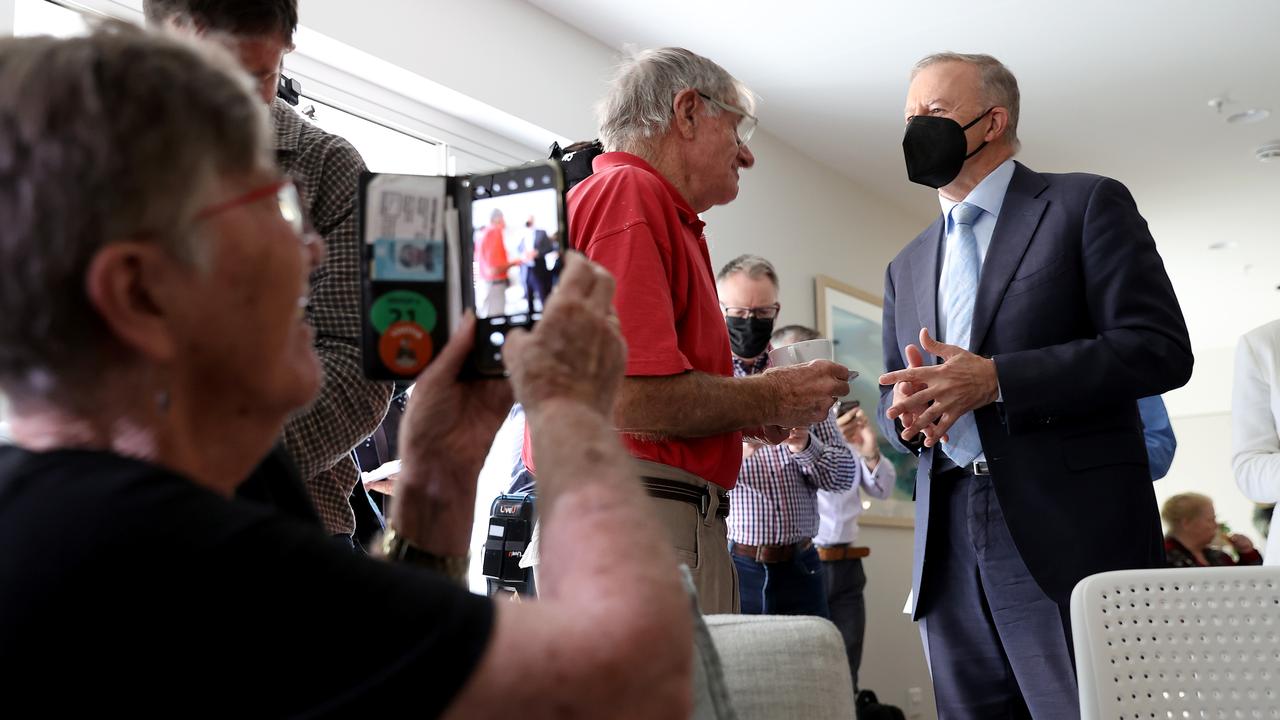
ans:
x=515 y=232
x=434 y=246
x=846 y=406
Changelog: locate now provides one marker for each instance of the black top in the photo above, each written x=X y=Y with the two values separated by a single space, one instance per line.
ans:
x=124 y=586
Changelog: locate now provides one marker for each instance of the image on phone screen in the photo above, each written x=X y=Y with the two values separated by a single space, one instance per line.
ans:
x=517 y=243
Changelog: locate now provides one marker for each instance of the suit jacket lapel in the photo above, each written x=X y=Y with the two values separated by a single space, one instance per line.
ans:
x=924 y=274
x=1019 y=216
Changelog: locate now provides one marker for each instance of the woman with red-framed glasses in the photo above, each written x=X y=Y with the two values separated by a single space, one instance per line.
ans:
x=152 y=345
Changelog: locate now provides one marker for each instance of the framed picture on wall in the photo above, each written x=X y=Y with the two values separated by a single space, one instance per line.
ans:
x=852 y=319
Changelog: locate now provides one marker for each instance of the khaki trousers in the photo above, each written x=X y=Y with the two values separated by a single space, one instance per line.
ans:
x=701 y=542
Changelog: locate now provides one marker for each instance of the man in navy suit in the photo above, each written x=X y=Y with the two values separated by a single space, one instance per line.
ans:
x=1020 y=329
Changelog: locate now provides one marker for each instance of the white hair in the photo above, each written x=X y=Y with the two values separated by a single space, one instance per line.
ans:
x=638 y=106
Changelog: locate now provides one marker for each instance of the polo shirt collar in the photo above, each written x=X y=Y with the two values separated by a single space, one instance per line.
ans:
x=619 y=158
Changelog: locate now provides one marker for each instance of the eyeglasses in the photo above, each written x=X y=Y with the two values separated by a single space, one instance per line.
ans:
x=286 y=194
x=746 y=126
x=767 y=312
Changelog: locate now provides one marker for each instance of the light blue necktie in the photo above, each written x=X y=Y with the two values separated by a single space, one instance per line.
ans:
x=963 y=269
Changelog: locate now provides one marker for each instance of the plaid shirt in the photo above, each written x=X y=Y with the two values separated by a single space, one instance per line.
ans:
x=775 y=500
x=348 y=408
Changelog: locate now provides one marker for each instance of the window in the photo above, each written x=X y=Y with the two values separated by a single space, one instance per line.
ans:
x=40 y=17
x=384 y=149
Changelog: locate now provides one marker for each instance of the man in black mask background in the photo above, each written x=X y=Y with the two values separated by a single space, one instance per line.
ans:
x=773 y=508
x=1020 y=329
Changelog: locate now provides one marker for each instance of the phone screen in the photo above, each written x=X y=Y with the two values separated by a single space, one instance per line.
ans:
x=516 y=258
x=514 y=223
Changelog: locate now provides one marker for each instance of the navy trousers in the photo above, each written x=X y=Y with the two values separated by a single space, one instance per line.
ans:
x=997 y=646
x=846 y=581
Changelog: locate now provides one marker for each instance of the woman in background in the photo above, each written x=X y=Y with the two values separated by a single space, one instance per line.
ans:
x=1193 y=525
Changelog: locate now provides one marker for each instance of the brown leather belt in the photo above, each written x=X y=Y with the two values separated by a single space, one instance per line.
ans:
x=771 y=553
x=836 y=553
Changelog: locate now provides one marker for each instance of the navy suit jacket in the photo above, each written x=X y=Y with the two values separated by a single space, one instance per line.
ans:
x=1075 y=307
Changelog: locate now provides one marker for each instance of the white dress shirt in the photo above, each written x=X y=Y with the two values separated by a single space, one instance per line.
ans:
x=1255 y=414
x=838 y=511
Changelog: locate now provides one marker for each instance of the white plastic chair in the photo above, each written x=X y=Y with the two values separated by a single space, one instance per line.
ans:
x=1178 y=644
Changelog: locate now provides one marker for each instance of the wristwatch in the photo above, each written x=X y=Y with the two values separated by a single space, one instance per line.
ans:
x=397 y=548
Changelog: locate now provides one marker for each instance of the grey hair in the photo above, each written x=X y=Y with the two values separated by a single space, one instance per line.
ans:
x=794 y=334
x=638 y=108
x=119 y=135
x=999 y=86
x=496 y=215
x=754 y=266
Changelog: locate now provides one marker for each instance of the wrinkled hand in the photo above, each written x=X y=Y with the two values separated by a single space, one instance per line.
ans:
x=806 y=392
x=798 y=440
x=858 y=432
x=576 y=352
x=1241 y=543
x=445 y=434
x=749 y=448
x=962 y=383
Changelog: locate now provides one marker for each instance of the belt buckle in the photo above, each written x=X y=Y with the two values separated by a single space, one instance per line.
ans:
x=760 y=554
x=980 y=467
x=704 y=503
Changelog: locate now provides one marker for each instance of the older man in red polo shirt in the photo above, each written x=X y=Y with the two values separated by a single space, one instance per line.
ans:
x=675 y=127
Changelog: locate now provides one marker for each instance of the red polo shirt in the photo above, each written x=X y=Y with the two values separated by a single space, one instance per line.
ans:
x=493 y=256
x=629 y=219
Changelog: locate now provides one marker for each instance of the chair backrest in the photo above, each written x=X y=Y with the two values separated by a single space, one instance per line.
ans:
x=1178 y=644
x=783 y=666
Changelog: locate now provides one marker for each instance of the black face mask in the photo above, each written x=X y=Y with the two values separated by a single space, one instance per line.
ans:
x=935 y=149
x=748 y=337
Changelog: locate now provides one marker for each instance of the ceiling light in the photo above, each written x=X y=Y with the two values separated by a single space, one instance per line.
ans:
x=1248 y=117
x=1268 y=152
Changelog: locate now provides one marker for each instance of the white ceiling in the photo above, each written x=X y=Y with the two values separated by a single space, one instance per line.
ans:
x=1117 y=87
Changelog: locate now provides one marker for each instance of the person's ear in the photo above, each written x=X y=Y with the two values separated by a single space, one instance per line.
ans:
x=125 y=283
x=685 y=111
x=998 y=124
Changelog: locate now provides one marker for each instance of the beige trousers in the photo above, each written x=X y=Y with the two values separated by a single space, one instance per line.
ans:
x=701 y=543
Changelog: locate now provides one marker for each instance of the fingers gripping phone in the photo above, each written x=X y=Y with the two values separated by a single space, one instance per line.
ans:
x=846 y=406
x=433 y=246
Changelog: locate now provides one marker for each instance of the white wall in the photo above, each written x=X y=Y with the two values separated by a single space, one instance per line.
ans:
x=892 y=661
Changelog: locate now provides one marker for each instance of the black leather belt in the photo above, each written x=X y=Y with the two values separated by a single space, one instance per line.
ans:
x=684 y=492
x=977 y=468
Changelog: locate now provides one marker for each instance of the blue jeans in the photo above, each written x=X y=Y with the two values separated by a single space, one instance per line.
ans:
x=795 y=587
